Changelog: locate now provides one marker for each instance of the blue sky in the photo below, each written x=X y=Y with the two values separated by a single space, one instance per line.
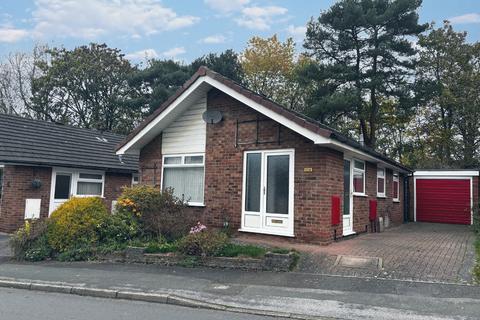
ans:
x=181 y=29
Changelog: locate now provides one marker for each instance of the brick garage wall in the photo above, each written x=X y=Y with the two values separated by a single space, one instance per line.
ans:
x=17 y=186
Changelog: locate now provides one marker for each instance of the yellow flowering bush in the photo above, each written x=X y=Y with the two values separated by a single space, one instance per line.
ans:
x=76 y=223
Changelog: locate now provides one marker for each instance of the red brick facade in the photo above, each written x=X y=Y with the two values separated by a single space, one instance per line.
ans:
x=313 y=188
x=17 y=187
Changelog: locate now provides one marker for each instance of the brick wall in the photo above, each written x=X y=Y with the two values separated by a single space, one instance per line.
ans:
x=114 y=183
x=224 y=172
x=17 y=187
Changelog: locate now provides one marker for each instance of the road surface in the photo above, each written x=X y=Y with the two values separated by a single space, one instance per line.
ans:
x=18 y=304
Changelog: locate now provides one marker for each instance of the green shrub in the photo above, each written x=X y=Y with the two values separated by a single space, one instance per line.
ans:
x=204 y=244
x=119 y=228
x=235 y=250
x=76 y=224
x=160 y=212
x=30 y=242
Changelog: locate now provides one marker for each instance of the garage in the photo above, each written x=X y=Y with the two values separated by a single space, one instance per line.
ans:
x=445 y=196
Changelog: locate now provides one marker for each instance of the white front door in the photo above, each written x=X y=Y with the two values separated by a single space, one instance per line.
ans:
x=347 y=198
x=268 y=192
x=62 y=189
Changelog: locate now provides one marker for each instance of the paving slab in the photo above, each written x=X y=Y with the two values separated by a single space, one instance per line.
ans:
x=412 y=251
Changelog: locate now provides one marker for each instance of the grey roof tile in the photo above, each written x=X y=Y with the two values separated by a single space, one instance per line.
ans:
x=37 y=142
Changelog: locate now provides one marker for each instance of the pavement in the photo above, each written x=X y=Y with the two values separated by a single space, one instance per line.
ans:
x=281 y=295
x=412 y=251
x=26 y=305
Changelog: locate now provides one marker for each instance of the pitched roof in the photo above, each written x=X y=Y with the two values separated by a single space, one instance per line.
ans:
x=298 y=118
x=35 y=142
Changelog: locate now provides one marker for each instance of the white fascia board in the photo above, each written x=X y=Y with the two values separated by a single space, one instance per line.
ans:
x=354 y=152
x=160 y=117
x=446 y=173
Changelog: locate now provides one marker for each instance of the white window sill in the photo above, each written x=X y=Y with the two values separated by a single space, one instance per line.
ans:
x=363 y=195
x=195 y=204
x=396 y=200
x=382 y=196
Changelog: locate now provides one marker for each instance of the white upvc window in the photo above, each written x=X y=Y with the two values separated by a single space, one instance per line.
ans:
x=135 y=179
x=185 y=174
x=1 y=179
x=381 y=182
x=396 y=187
x=89 y=184
x=358 y=177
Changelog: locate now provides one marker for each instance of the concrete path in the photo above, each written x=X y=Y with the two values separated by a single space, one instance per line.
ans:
x=413 y=251
x=286 y=293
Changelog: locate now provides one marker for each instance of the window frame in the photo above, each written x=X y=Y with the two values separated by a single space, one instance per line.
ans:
x=396 y=177
x=76 y=179
x=183 y=165
x=137 y=176
x=363 y=172
x=384 y=193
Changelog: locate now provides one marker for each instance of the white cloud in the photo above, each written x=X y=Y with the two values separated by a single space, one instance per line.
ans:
x=172 y=53
x=11 y=35
x=260 y=18
x=466 y=18
x=93 y=18
x=214 y=39
x=226 y=6
x=142 y=54
x=297 y=33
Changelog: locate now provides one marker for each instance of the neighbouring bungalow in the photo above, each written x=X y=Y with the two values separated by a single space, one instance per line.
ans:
x=43 y=164
x=243 y=161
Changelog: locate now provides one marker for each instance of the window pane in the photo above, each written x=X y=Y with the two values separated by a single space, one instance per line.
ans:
x=395 y=189
x=193 y=159
x=359 y=165
x=277 y=184
x=90 y=176
x=173 y=160
x=62 y=186
x=253 y=174
x=135 y=179
x=358 y=181
x=187 y=183
x=89 y=188
x=381 y=185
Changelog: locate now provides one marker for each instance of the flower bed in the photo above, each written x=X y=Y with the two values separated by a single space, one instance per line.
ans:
x=269 y=261
x=148 y=226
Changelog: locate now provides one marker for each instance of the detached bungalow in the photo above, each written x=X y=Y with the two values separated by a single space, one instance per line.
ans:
x=43 y=164
x=244 y=161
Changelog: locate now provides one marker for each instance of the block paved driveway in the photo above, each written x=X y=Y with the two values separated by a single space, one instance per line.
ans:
x=413 y=251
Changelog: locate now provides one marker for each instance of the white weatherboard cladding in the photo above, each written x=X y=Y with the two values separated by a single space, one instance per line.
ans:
x=187 y=134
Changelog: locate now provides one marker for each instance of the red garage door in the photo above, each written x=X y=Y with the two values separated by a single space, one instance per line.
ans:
x=443 y=200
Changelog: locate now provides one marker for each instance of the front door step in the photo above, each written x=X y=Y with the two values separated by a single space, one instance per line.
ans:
x=371 y=263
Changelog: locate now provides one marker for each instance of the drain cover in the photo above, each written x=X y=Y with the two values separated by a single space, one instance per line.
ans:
x=359 y=262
